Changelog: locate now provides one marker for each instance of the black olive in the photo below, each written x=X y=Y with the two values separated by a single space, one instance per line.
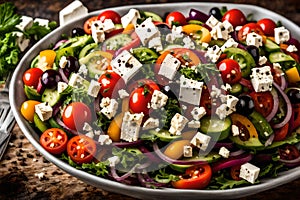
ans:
x=254 y=51
x=294 y=95
x=50 y=78
x=72 y=65
x=245 y=105
x=216 y=13
x=77 y=32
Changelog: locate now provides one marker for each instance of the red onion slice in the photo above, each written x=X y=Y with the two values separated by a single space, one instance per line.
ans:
x=237 y=153
x=275 y=106
x=291 y=163
x=230 y=162
x=128 y=144
x=288 y=105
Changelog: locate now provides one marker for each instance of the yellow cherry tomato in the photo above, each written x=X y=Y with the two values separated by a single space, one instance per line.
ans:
x=196 y=31
x=49 y=56
x=28 y=109
x=175 y=149
x=293 y=75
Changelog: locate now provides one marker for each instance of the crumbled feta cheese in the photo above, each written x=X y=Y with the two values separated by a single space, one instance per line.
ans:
x=131 y=126
x=113 y=161
x=63 y=62
x=224 y=152
x=262 y=79
x=262 y=60
x=212 y=21
x=97 y=31
x=213 y=53
x=109 y=107
x=44 y=111
x=291 y=48
x=123 y=94
x=201 y=141
x=198 y=112
x=249 y=172
x=158 y=99
x=281 y=34
x=61 y=86
x=83 y=70
x=76 y=80
x=150 y=123
x=178 y=122
x=94 y=88
x=235 y=130
x=187 y=151
x=254 y=39
x=229 y=43
x=87 y=127
x=147 y=30
x=26 y=22
x=194 y=124
x=190 y=90
x=104 y=140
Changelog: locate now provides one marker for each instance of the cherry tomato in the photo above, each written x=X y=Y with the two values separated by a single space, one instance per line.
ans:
x=28 y=109
x=267 y=25
x=143 y=82
x=230 y=71
x=288 y=152
x=196 y=177
x=263 y=102
x=75 y=115
x=235 y=17
x=31 y=77
x=206 y=100
x=235 y=172
x=81 y=149
x=248 y=28
x=140 y=98
x=110 y=14
x=281 y=133
x=111 y=82
x=88 y=23
x=175 y=18
x=54 y=140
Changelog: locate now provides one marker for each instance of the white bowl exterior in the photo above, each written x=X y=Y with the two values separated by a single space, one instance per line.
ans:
x=17 y=97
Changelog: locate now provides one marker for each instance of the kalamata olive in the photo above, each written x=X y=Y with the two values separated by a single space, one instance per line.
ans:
x=72 y=65
x=77 y=32
x=50 y=78
x=215 y=11
x=294 y=95
x=254 y=51
x=245 y=105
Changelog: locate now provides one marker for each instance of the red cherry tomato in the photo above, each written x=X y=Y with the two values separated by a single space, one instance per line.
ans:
x=31 y=77
x=263 y=102
x=54 y=140
x=111 y=82
x=175 y=18
x=81 y=149
x=75 y=115
x=110 y=14
x=230 y=71
x=88 y=24
x=281 y=133
x=248 y=28
x=267 y=25
x=235 y=17
x=289 y=152
x=196 y=177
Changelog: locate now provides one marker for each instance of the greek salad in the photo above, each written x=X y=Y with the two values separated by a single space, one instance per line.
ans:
x=187 y=100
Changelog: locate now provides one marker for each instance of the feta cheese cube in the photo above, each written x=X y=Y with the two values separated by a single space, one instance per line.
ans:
x=169 y=67
x=131 y=125
x=254 y=39
x=76 y=80
x=213 y=53
x=110 y=110
x=126 y=65
x=188 y=43
x=71 y=12
x=201 y=141
x=98 y=31
x=220 y=31
x=104 y=102
x=146 y=31
x=229 y=43
x=231 y=103
x=83 y=70
x=108 y=25
x=262 y=60
x=221 y=111
x=291 y=48
x=90 y=134
x=158 y=99
x=212 y=21
x=155 y=43
x=215 y=92
x=150 y=123
x=262 y=79
x=178 y=123
x=235 y=130
x=194 y=124
x=61 y=86
x=21 y=40
x=130 y=18
x=63 y=62
x=94 y=88
x=26 y=22
x=187 y=151
x=44 y=111
x=113 y=161
x=228 y=26
x=224 y=152
x=249 y=172
x=123 y=94
x=104 y=140
x=198 y=112
x=190 y=90
x=281 y=34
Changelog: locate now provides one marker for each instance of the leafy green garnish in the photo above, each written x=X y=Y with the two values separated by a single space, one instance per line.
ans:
x=8 y=18
x=129 y=157
x=38 y=32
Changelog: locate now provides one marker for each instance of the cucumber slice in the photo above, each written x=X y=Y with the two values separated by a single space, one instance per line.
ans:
x=51 y=96
x=87 y=49
x=278 y=57
x=236 y=89
x=154 y=16
x=31 y=93
x=193 y=21
x=164 y=135
x=145 y=55
x=117 y=41
x=271 y=46
x=216 y=128
x=263 y=127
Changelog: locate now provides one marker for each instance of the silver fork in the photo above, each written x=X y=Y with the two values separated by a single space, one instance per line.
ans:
x=7 y=120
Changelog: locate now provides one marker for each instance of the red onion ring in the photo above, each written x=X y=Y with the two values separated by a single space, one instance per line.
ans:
x=149 y=154
x=124 y=176
x=59 y=43
x=227 y=145
x=128 y=144
x=291 y=163
x=275 y=106
x=283 y=82
x=237 y=153
x=230 y=162
x=288 y=105
x=63 y=75
x=62 y=124
x=269 y=141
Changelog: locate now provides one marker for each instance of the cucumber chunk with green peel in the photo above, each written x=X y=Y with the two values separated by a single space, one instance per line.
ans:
x=216 y=128
x=51 y=96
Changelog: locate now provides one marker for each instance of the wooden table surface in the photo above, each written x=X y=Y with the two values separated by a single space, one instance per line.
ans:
x=22 y=163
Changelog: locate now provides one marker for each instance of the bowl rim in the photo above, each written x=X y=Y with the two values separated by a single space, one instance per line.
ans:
x=138 y=191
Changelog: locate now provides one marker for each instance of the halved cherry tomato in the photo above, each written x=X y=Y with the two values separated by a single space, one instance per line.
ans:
x=54 y=140
x=288 y=152
x=110 y=14
x=281 y=133
x=196 y=177
x=176 y=18
x=141 y=83
x=267 y=25
x=111 y=82
x=248 y=28
x=236 y=17
x=263 y=102
x=88 y=24
x=235 y=172
x=31 y=77
x=76 y=114
x=28 y=109
x=81 y=149
x=230 y=71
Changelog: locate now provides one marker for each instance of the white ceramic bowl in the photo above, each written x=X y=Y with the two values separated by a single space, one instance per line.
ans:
x=17 y=97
